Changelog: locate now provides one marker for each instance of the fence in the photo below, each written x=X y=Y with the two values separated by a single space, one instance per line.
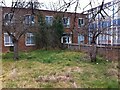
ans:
x=108 y=52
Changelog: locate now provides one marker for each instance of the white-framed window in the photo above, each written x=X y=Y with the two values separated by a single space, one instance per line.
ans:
x=66 y=39
x=66 y=22
x=29 y=19
x=29 y=39
x=7 y=40
x=80 y=22
x=80 y=39
x=8 y=18
x=49 y=20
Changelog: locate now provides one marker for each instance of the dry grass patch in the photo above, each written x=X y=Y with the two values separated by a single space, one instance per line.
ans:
x=57 y=69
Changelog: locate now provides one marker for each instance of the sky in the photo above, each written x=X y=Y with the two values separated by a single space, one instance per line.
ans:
x=49 y=3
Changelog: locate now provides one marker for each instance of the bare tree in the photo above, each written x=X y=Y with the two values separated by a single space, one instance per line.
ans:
x=16 y=25
x=94 y=32
x=15 y=29
x=96 y=25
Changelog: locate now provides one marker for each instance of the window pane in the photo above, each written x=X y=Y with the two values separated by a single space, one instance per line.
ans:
x=118 y=21
x=49 y=20
x=10 y=39
x=66 y=22
x=80 y=22
x=30 y=39
x=8 y=19
x=32 y=19
x=66 y=39
x=7 y=40
x=114 y=22
x=29 y=19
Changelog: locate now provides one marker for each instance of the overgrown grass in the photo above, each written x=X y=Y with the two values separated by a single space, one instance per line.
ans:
x=32 y=65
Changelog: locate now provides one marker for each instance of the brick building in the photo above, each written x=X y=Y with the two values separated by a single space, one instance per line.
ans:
x=72 y=26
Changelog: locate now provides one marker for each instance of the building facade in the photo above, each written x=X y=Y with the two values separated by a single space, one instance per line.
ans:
x=107 y=21
x=72 y=26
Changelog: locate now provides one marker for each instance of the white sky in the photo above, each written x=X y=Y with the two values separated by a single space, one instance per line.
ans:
x=83 y=3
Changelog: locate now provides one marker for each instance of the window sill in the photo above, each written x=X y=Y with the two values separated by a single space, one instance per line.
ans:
x=8 y=45
x=66 y=43
x=30 y=44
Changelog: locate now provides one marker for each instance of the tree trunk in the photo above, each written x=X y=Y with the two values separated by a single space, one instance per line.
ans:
x=93 y=52
x=16 y=57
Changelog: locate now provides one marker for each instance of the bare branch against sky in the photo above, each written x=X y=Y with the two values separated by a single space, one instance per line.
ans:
x=82 y=5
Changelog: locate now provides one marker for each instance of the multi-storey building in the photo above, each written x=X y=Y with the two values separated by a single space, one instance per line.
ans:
x=70 y=20
x=107 y=21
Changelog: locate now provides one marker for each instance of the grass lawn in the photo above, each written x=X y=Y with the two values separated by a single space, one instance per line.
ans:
x=58 y=69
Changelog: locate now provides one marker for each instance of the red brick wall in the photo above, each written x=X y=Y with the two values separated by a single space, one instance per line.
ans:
x=111 y=53
x=22 y=46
